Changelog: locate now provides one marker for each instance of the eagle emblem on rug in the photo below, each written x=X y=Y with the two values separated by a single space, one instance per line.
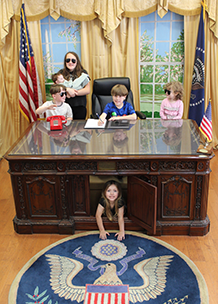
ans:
x=153 y=272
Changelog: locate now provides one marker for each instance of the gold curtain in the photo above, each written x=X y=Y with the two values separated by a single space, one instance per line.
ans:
x=109 y=47
x=94 y=53
x=12 y=123
x=109 y=12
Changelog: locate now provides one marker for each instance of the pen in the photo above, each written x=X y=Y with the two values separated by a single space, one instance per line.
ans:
x=99 y=117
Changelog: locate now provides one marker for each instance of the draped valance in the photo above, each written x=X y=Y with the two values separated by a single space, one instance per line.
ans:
x=110 y=13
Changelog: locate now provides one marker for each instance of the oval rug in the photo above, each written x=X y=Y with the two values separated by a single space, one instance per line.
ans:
x=84 y=269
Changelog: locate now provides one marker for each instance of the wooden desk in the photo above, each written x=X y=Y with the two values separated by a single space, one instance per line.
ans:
x=57 y=177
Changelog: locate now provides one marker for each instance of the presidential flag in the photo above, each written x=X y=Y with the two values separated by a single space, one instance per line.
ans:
x=206 y=124
x=196 y=107
x=30 y=96
x=106 y=294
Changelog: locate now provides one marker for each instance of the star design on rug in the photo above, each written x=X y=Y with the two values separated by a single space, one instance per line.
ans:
x=109 y=250
x=152 y=271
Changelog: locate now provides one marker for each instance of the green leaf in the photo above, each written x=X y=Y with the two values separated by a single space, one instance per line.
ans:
x=42 y=294
x=30 y=296
x=44 y=299
x=36 y=291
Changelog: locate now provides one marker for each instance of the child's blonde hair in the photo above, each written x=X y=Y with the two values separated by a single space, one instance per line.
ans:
x=176 y=87
x=107 y=204
x=119 y=90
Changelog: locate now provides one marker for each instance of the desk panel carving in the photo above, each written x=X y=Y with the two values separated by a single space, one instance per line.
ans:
x=63 y=197
x=177 y=166
x=21 y=198
x=55 y=192
x=81 y=166
x=176 y=192
x=41 y=196
x=198 y=198
x=39 y=166
x=133 y=166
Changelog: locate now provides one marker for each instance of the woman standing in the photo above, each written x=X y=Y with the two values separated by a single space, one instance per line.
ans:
x=73 y=69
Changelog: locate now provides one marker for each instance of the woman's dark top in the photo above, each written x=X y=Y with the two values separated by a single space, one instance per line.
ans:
x=121 y=203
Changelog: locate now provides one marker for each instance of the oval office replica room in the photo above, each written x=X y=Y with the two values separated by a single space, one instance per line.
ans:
x=108 y=151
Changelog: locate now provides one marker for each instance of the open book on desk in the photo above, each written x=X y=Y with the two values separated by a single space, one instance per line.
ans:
x=92 y=123
x=114 y=124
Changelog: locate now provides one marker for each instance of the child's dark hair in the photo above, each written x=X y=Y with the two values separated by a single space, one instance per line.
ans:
x=56 y=88
x=119 y=90
x=54 y=77
x=103 y=194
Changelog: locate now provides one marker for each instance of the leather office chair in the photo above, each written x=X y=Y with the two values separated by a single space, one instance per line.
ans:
x=101 y=94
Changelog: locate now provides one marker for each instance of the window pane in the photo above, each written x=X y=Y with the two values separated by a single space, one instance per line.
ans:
x=157 y=109
x=161 y=58
x=146 y=73
x=159 y=93
x=147 y=108
x=163 y=31
x=146 y=92
x=177 y=29
x=177 y=52
x=162 y=51
x=161 y=73
x=176 y=73
x=148 y=18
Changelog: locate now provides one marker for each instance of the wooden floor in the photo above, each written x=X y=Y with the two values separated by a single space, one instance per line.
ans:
x=16 y=250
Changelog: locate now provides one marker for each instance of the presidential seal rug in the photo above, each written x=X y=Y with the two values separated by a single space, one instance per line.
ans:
x=84 y=269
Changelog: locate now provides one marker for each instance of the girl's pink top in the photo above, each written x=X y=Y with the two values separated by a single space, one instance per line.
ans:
x=171 y=110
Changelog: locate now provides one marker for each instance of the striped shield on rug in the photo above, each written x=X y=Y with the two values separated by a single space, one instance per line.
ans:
x=106 y=294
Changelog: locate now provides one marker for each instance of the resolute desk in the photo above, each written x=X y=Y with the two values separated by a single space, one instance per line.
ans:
x=57 y=177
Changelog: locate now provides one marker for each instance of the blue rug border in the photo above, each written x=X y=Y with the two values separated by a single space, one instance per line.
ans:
x=199 y=277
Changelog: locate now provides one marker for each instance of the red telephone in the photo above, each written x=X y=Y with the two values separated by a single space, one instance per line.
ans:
x=56 y=122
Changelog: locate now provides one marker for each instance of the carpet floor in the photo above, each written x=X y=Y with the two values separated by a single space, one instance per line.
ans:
x=84 y=269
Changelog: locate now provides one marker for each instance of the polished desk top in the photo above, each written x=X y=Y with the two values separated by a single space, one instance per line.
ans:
x=144 y=137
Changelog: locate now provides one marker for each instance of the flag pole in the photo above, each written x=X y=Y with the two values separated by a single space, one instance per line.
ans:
x=206 y=143
x=204 y=7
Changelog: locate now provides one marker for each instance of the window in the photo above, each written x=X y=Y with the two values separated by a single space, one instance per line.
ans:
x=161 y=58
x=58 y=37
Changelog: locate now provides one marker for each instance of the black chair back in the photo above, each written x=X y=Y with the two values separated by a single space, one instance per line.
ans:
x=101 y=94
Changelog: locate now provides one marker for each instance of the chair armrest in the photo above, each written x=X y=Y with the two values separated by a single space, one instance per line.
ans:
x=140 y=115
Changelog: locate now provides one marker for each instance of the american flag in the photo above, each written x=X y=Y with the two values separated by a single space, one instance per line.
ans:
x=106 y=294
x=30 y=96
x=206 y=124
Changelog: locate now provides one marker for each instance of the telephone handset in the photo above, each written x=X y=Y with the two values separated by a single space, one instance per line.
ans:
x=56 y=122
